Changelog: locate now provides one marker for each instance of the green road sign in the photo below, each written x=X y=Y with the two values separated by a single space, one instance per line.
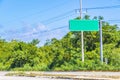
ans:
x=84 y=25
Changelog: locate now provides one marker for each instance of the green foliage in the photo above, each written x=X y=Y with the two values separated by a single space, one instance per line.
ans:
x=64 y=54
x=34 y=42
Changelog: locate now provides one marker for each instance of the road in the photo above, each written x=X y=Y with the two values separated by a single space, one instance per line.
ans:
x=76 y=74
x=3 y=77
x=26 y=78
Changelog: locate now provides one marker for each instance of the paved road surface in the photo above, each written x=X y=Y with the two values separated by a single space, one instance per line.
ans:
x=26 y=78
x=78 y=74
x=3 y=77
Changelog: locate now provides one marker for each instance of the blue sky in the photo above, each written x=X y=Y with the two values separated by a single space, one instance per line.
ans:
x=30 y=19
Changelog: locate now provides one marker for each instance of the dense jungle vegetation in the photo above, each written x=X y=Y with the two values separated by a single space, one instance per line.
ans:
x=64 y=54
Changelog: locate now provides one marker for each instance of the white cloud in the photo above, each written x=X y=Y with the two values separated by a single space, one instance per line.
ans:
x=37 y=31
x=27 y=32
x=41 y=27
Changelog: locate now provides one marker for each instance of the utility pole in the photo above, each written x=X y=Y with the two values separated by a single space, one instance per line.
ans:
x=82 y=38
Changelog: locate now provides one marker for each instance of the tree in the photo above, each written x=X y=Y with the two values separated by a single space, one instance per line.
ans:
x=34 y=42
x=87 y=17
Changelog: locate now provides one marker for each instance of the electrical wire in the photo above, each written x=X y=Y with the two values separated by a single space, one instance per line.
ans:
x=59 y=17
x=51 y=30
x=62 y=16
x=96 y=8
x=66 y=14
x=42 y=11
x=55 y=19
x=105 y=7
x=113 y=20
x=58 y=28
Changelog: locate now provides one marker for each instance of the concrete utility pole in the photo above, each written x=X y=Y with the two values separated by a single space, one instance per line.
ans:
x=82 y=38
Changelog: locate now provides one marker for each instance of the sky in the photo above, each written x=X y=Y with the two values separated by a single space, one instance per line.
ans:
x=26 y=20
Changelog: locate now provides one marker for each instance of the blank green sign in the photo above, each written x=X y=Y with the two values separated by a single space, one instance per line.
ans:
x=84 y=25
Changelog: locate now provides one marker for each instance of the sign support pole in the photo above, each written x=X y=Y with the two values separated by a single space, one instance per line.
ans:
x=82 y=41
x=101 y=43
x=82 y=38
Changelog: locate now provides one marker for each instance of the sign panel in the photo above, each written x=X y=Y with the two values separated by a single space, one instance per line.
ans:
x=84 y=25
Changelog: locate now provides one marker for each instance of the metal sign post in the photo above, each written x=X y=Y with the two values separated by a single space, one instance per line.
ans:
x=101 y=43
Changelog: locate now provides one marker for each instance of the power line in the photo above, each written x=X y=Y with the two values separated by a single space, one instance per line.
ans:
x=58 y=28
x=62 y=28
x=62 y=16
x=51 y=29
x=113 y=20
x=67 y=26
x=55 y=19
x=42 y=11
x=66 y=14
x=105 y=7
x=50 y=8
x=59 y=17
